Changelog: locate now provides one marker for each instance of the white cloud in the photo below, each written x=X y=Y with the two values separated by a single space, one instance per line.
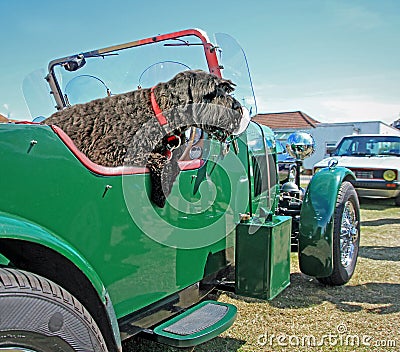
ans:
x=351 y=98
x=362 y=109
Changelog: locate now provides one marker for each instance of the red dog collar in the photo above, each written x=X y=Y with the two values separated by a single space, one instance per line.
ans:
x=156 y=108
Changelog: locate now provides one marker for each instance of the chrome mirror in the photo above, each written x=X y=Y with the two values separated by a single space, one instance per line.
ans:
x=300 y=145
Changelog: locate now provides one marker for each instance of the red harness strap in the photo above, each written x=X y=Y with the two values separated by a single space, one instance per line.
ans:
x=156 y=108
x=162 y=120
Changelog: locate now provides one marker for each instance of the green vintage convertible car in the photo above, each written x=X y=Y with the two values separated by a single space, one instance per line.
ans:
x=87 y=260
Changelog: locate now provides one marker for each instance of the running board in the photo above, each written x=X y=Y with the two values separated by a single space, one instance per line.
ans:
x=197 y=325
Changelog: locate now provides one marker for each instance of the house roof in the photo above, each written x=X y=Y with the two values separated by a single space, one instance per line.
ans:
x=286 y=120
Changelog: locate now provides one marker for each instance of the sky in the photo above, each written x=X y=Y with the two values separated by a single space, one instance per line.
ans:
x=335 y=60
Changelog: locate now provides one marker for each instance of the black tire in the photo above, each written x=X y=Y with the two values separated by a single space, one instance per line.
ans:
x=38 y=315
x=397 y=200
x=346 y=236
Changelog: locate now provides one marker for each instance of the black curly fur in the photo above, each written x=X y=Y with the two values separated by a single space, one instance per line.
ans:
x=122 y=129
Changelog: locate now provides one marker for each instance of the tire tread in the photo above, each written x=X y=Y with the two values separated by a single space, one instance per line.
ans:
x=14 y=280
x=335 y=278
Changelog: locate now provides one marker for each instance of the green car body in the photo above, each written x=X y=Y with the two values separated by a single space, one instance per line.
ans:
x=98 y=235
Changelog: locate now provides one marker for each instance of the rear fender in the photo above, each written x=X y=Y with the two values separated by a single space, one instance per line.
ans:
x=316 y=221
x=16 y=228
x=13 y=227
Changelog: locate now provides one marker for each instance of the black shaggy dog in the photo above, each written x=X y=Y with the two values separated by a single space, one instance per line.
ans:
x=128 y=129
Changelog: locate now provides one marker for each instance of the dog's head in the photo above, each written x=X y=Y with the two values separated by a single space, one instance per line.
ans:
x=190 y=99
x=204 y=101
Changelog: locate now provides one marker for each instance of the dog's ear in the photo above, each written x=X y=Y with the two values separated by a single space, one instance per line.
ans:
x=195 y=86
x=226 y=85
x=205 y=87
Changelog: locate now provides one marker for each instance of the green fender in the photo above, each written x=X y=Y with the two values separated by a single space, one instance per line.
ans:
x=14 y=227
x=316 y=221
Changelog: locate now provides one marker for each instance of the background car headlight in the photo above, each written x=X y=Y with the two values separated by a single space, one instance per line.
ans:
x=389 y=175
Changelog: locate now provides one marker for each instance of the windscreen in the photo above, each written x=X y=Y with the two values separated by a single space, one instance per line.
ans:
x=235 y=67
x=129 y=69
x=369 y=145
x=138 y=67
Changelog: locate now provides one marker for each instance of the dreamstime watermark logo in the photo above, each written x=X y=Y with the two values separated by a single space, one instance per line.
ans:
x=341 y=337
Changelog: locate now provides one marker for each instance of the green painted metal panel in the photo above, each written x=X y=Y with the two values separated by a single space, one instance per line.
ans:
x=262 y=265
x=4 y=260
x=141 y=253
x=21 y=229
x=316 y=221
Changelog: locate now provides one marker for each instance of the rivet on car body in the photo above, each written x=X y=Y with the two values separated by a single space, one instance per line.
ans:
x=32 y=143
x=106 y=189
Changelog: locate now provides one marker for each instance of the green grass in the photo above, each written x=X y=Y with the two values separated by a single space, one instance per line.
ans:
x=368 y=307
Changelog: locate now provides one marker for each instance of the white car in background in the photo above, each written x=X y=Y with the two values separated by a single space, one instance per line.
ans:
x=374 y=159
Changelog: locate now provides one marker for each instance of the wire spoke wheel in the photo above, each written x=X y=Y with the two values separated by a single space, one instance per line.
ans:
x=348 y=234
